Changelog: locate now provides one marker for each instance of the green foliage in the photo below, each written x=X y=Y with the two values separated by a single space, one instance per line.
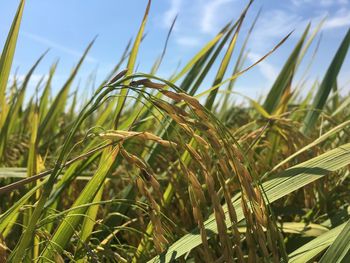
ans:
x=329 y=82
x=6 y=60
x=142 y=171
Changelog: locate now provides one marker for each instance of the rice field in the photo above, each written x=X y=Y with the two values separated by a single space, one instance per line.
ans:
x=168 y=170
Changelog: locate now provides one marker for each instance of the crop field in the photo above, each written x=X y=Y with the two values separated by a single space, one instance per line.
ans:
x=173 y=170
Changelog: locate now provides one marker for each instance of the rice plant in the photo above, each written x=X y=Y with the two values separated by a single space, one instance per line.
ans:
x=168 y=170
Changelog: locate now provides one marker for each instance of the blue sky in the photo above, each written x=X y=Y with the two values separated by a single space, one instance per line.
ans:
x=67 y=26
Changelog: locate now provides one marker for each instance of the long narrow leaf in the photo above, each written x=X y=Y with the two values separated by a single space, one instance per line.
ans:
x=326 y=85
x=6 y=59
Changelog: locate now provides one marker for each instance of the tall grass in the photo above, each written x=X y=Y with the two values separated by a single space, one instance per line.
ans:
x=142 y=171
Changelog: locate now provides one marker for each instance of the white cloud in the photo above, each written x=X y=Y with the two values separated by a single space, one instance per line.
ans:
x=170 y=14
x=340 y=19
x=276 y=24
x=33 y=77
x=327 y=3
x=33 y=81
x=210 y=13
x=55 y=45
x=323 y=3
x=301 y=2
x=267 y=69
x=198 y=18
x=188 y=41
x=273 y=26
